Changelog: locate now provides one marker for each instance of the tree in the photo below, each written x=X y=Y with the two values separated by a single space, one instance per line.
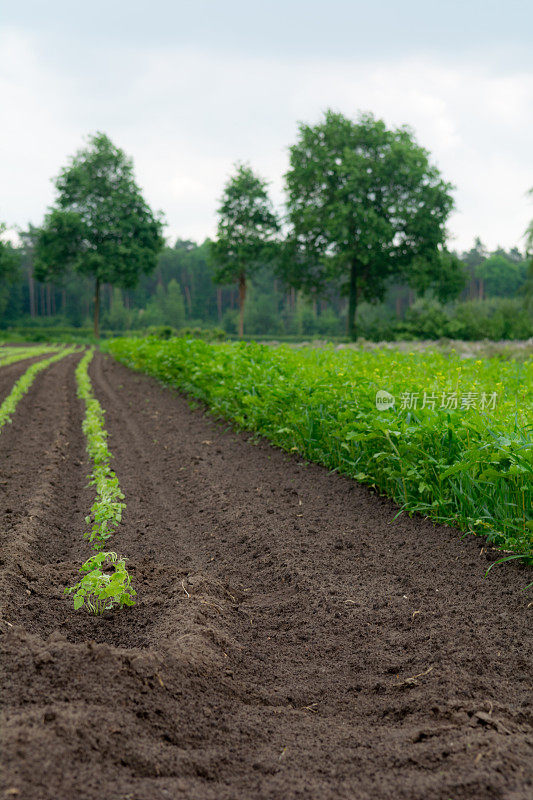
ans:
x=246 y=232
x=364 y=205
x=9 y=270
x=500 y=276
x=101 y=225
x=118 y=318
x=166 y=307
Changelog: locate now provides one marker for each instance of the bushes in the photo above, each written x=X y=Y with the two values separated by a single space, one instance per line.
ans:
x=499 y=318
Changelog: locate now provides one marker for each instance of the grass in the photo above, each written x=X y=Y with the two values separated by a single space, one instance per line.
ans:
x=22 y=385
x=470 y=467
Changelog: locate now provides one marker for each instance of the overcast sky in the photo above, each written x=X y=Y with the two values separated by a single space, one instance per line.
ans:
x=189 y=88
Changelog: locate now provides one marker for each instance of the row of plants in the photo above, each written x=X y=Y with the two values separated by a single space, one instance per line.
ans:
x=22 y=385
x=12 y=355
x=106 y=582
x=456 y=444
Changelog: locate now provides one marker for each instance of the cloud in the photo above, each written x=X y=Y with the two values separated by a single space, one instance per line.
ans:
x=187 y=115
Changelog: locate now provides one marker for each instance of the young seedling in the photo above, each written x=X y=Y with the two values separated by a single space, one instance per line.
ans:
x=106 y=583
x=106 y=512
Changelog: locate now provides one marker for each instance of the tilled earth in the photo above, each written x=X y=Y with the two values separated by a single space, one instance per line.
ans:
x=292 y=639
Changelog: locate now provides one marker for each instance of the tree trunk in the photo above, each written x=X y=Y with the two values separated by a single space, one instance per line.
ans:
x=352 y=303
x=96 y=307
x=242 y=298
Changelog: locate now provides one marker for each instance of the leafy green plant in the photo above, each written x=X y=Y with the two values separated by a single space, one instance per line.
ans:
x=105 y=584
x=465 y=467
x=106 y=511
x=23 y=384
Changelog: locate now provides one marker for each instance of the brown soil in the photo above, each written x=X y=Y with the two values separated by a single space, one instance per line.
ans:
x=290 y=640
x=11 y=373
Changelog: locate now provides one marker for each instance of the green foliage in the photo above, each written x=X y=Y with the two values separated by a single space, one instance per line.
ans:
x=501 y=277
x=162 y=331
x=246 y=232
x=106 y=511
x=12 y=355
x=270 y=308
x=101 y=225
x=9 y=270
x=498 y=318
x=23 y=384
x=365 y=204
x=166 y=307
x=465 y=467
x=105 y=584
x=118 y=317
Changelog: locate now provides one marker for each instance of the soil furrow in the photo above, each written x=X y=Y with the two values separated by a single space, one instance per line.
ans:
x=291 y=640
x=43 y=497
x=337 y=609
x=12 y=372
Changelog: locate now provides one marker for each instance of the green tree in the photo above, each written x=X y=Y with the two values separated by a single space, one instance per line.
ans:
x=501 y=277
x=246 y=232
x=173 y=306
x=9 y=270
x=365 y=205
x=101 y=225
x=166 y=307
x=118 y=318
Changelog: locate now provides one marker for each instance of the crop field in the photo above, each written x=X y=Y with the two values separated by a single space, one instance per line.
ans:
x=457 y=445
x=12 y=355
x=275 y=599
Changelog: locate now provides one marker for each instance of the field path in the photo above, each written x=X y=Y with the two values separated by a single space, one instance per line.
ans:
x=291 y=639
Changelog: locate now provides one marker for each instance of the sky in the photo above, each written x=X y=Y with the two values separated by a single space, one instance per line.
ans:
x=190 y=88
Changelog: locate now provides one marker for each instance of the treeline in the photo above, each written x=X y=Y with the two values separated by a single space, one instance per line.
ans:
x=360 y=249
x=182 y=292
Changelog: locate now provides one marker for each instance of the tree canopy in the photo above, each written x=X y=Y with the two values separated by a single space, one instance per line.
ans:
x=101 y=225
x=246 y=232
x=364 y=204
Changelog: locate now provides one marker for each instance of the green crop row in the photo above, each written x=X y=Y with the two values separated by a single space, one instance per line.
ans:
x=456 y=446
x=100 y=589
x=11 y=355
x=23 y=384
